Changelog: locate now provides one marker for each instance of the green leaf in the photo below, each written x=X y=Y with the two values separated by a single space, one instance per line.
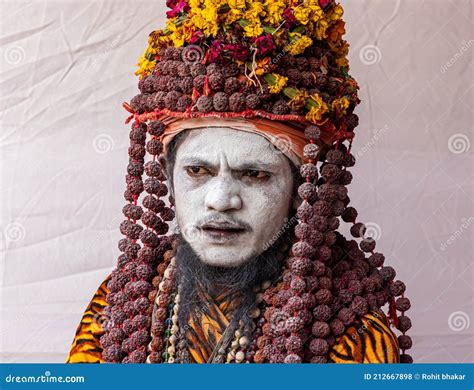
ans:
x=299 y=30
x=269 y=30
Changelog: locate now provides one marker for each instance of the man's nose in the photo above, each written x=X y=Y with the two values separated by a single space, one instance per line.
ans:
x=223 y=195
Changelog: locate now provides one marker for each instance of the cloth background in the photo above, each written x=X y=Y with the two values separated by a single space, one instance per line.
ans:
x=66 y=67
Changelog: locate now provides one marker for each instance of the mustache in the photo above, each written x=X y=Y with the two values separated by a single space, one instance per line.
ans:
x=227 y=221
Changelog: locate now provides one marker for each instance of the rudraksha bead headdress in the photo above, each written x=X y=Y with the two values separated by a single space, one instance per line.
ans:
x=283 y=60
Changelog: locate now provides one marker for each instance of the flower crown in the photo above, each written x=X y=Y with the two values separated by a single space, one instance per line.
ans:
x=280 y=59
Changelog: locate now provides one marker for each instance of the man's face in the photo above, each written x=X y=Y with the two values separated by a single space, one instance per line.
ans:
x=233 y=191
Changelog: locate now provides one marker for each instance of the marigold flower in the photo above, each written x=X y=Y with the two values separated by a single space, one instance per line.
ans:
x=302 y=14
x=336 y=13
x=275 y=10
x=253 y=30
x=276 y=82
x=318 y=109
x=255 y=11
x=340 y=106
x=238 y=4
x=145 y=66
x=299 y=45
x=321 y=29
x=299 y=100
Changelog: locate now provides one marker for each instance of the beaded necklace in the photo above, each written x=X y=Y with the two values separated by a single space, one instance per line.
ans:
x=173 y=347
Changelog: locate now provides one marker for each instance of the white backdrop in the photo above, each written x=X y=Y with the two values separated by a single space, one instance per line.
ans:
x=66 y=67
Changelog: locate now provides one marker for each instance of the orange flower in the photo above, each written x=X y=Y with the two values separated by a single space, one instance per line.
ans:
x=336 y=31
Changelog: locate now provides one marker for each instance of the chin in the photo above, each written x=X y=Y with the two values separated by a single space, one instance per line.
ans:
x=223 y=258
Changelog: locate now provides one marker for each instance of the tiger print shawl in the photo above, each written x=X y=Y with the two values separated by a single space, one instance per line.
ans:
x=368 y=340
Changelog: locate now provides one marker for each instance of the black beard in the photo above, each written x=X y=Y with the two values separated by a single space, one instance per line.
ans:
x=231 y=282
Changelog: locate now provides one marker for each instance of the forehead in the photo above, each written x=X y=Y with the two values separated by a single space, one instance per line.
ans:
x=213 y=143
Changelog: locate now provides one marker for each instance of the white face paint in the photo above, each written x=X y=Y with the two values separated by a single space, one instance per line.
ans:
x=233 y=191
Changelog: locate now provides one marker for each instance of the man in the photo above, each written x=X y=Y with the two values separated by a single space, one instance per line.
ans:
x=258 y=271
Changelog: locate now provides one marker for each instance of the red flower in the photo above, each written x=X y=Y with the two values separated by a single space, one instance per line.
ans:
x=215 y=51
x=171 y=3
x=324 y=3
x=182 y=6
x=265 y=44
x=237 y=51
x=289 y=17
x=196 y=37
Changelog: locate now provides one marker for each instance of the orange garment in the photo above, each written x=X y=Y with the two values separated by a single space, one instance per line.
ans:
x=368 y=340
x=288 y=138
x=206 y=327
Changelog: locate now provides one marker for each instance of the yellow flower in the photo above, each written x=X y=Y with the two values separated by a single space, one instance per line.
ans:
x=238 y=4
x=170 y=24
x=255 y=11
x=164 y=40
x=233 y=15
x=182 y=34
x=316 y=112
x=275 y=10
x=321 y=28
x=195 y=5
x=299 y=100
x=336 y=13
x=342 y=62
x=253 y=30
x=204 y=15
x=153 y=36
x=198 y=21
x=317 y=12
x=278 y=84
x=145 y=66
x=302 y=14
x=308 y=12
x=299 y=45
x=209 y=13
x=340 y=106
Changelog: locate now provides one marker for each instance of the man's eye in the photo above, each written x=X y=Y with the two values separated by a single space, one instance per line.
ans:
x=257 y=174
x=197 y=171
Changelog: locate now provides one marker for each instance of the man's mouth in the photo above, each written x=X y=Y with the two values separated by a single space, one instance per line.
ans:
x=221 y=232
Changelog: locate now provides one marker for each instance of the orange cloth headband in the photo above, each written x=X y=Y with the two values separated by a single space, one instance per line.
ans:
x=288 y=138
